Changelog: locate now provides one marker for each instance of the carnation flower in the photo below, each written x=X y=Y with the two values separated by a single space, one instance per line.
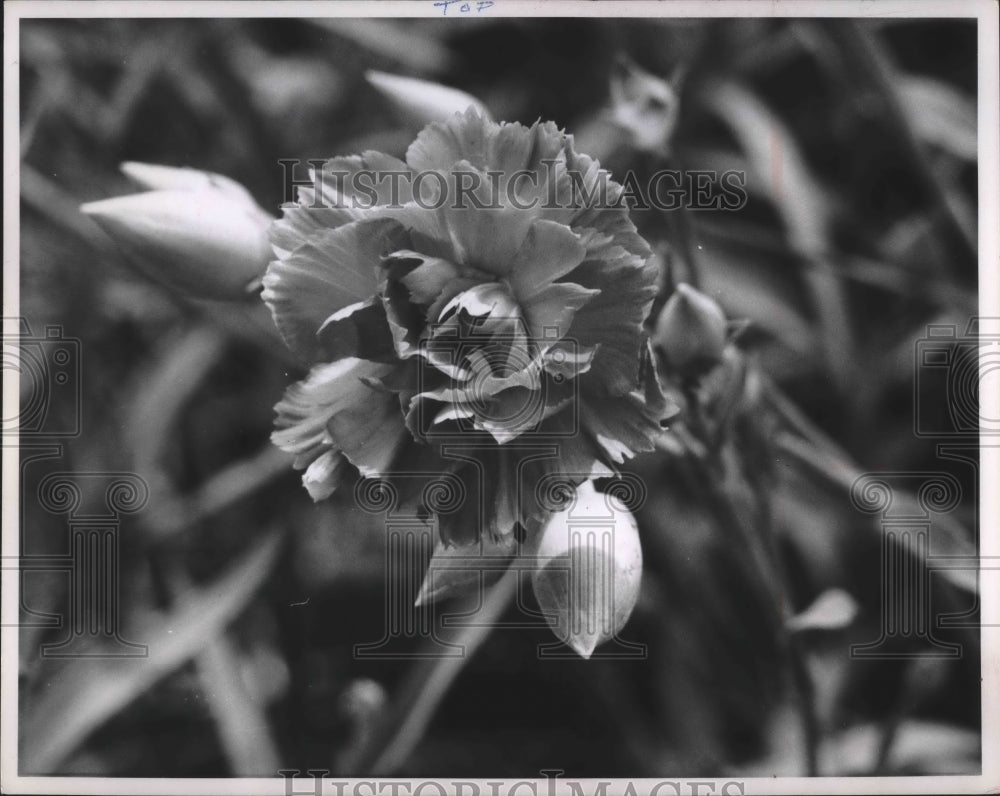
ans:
x=493 y=335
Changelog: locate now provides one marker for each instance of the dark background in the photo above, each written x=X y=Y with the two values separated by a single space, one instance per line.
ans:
x=864 y=236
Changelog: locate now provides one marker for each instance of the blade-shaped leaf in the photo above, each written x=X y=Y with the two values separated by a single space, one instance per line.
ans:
x=86 y=693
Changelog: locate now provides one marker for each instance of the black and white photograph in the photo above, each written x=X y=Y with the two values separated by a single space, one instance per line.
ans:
x=497 y=398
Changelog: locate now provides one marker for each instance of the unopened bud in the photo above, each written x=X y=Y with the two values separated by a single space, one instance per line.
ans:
x=691 y=331
x=422 y=101
x=589 y=569
x=645 y=107
x=198 y=233
x=155 y=177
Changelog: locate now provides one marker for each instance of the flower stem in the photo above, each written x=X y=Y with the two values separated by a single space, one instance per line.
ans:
x=761 y=541
x=393 y=742
x=806 y=693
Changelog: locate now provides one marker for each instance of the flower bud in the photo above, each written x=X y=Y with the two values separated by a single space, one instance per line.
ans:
x=198 y=233
x=645 y=107
x=155 y=177
x=589 y=569
x=422 y=101
x=691 y=331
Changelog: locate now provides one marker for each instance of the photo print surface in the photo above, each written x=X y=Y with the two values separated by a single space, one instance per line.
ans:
x=483 y=397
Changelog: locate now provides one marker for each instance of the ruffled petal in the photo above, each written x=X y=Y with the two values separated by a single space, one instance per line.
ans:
x=335 y=408
x=358 y=330
x=300 y=221
x=485 y=233
x=481 y=397
x=621 y=426
x=332 y=270
x=324 y=475
x=550 y=312
x=613 y=320
x=491 y=508
x=568 y=190
x=579 y=458
x=607 y=215
x=472 y=137
x=405 y=318
x=630 y=424
x=513 y=412
x=429 y=277
x=484 y=315
x=428 y=231
x=364 y=181
x=489 y=299
x=549 y=252
x=341 y=192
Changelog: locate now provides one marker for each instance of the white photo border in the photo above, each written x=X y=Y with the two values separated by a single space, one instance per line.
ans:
x=986 y=14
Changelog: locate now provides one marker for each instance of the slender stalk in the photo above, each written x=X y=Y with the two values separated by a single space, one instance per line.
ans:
x=679 y=223
x=806 y=703
x=801 y=677
x=404 y=726
x=764 y=552
x=761 y=541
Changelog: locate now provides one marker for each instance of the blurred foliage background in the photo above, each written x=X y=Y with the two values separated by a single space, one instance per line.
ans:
x=859 y=145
